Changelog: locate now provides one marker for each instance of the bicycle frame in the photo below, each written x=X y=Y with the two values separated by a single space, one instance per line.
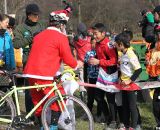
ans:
x=15 y=90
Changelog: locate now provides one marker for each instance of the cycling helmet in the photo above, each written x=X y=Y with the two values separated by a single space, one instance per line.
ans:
x=60 y=16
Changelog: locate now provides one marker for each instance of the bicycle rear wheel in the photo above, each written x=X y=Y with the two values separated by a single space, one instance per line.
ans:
x=72 y=121
x=7 y=111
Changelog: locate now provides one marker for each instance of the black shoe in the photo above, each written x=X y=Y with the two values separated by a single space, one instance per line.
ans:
x=99 y=119
x=111 y=126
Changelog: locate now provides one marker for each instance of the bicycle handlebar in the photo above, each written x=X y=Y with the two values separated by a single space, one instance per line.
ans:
x=73 y=75
x=9 y=73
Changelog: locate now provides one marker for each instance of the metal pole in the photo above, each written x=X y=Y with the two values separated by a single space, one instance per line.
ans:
x=61 y=3
x=79 y=11
x=5 y=6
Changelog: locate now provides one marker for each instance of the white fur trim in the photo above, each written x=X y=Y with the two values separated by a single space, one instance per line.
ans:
x=54 y=28
x=37 y=77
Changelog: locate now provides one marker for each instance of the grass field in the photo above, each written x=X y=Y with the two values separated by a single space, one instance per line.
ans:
x=148 y=122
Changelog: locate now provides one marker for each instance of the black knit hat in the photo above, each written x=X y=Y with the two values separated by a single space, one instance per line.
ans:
x=32 y=9
x=157 y=9
x=81 y=28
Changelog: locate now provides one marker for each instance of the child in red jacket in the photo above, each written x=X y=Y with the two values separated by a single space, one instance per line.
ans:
x=82 y=43
x=107 y=60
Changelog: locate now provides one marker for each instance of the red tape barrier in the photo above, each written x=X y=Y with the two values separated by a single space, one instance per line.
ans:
x=131 y=87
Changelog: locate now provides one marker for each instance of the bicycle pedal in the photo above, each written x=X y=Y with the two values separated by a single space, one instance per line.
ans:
x=30 y=123
x=20 y=122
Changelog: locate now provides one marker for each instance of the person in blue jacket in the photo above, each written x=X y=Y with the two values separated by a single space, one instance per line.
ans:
x=7 y=60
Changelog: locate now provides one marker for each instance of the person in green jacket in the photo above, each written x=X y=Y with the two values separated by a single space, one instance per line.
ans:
x=24 y=33
x=147 y=25
x=23 y=36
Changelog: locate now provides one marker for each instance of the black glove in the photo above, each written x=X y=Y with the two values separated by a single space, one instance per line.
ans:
x=76 y=38
x=84 y=34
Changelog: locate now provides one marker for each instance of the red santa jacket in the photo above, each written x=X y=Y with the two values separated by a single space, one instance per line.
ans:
x=49 y=48
x=82 y=46
x=106 y=53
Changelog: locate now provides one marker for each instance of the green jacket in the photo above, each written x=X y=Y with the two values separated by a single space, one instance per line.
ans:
x=23 y=35
x=150 y=17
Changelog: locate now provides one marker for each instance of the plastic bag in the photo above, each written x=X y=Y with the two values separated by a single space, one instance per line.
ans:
x=70 y=86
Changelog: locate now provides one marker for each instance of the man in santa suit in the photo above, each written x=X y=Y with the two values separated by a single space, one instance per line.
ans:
x=49 y=49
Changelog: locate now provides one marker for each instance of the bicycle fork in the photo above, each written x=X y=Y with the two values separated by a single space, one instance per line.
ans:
x=62 y=104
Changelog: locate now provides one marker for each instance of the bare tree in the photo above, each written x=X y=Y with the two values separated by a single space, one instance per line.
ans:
x=114 y=13
x=154 y=2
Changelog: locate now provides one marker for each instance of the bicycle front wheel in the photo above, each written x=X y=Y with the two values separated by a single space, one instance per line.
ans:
x=72 y=118
x=7 y=111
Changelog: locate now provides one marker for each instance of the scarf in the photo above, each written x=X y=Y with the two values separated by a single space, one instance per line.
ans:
x=30 y=23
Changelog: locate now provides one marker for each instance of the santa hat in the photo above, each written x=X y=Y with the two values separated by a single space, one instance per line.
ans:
x=63 y=14
x=59 y=15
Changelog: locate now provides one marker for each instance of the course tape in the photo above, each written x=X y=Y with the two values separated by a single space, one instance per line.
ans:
x=131 y=87
x=117 y=87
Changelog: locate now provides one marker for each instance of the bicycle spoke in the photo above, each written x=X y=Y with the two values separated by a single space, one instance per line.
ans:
x=7 y=111
x=78 y=116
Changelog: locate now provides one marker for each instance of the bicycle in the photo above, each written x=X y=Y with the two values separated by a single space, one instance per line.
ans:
x=11 y=117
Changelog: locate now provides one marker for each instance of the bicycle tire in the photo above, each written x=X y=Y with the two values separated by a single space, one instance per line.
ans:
x=83 y=106
x=11 y=106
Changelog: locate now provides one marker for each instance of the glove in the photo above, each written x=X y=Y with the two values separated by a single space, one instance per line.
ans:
x=76 y=38
x=84 y=33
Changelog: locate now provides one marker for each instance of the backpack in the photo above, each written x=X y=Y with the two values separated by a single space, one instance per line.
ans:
x=2 y=56
x=4 y=78
x=153 y=61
